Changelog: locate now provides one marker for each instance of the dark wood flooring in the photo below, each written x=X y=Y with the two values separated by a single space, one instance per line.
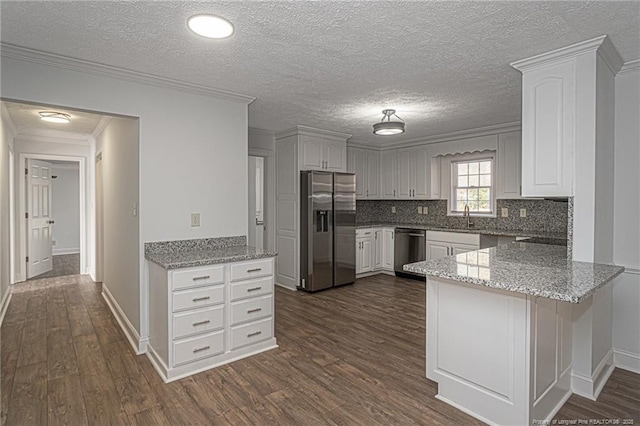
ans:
x=348 y=356
x=63 y=264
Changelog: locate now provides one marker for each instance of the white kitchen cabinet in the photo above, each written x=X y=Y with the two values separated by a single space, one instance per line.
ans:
x=365 y=164
x=364 y=250
x=509 y=167
x=388 y=176
x=442 y=243
x=206 y=316
x=388 y=248
x=320 y=153
x=378 y=249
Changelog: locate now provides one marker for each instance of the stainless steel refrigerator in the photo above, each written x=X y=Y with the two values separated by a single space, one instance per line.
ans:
x=327 y=230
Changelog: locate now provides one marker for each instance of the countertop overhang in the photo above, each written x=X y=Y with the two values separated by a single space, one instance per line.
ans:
x=534 y=269
x=207 y=256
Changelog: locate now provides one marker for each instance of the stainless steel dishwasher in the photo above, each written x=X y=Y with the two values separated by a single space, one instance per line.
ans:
x=410 y=246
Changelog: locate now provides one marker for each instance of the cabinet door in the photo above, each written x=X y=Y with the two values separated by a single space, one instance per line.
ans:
x=357 y=164
x=548 y=130
x=367 y=254
x=405 y=180
x=373 y=174
x=436 y=250
x=420 y=170
x=434 y=182
x=388 y=249
x=388 y=174
x=509 y=165
x=335 y=156
x=462 y=248
x=378 y=251
x=311 y=153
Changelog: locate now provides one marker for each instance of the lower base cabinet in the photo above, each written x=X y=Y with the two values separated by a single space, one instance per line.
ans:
x=374 y=250
x=204 y=317
x=442 y=244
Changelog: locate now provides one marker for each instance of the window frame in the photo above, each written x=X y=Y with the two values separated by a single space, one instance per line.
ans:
x=454 y=160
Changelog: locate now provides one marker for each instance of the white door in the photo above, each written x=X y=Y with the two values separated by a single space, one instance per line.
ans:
x=335 y=156
x=312 y=152
x=39 y=217
x=367 y=252
x=437 y=250
x=256 y=202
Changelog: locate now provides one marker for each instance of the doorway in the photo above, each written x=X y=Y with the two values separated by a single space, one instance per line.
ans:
x=256 y=224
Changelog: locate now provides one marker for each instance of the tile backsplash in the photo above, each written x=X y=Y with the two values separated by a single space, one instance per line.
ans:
x=542 y=215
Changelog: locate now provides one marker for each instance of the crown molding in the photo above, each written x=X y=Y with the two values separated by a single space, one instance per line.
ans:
x=65 y=62
x=444 y=137
x=610 y=55
x=6 y=117
x=102 y=124
x=312 y=131
x=55 y=136
x=629 y=66
x=542 y=59
x=263 y=131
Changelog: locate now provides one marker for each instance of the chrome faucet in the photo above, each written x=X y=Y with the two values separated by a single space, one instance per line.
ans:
x=467 y=215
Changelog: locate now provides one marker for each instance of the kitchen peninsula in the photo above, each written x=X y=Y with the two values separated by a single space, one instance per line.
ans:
x=499 y=328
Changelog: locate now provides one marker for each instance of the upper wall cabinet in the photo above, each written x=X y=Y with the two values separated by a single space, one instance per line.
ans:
x=509 y=165
x=409 y=174
x=322 y=153
x=566 y=97
x=365 y=163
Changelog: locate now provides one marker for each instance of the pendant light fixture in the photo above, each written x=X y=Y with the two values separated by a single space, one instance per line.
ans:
x=55 y=117
x=388 y=127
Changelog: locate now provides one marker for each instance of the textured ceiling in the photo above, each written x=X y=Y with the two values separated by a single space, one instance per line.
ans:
x=444 y=66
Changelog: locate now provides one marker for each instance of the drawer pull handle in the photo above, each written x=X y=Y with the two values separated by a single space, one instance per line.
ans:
x=201 y=323
x=254 y=289
x=198 y=299
x=204 y=277
x=254 y=334
x=204 y=348
x=254 y=270
x=250 y=311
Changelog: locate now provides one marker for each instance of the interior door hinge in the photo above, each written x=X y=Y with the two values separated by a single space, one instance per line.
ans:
x=26 y=215
x=27 y=258
x=26 y=171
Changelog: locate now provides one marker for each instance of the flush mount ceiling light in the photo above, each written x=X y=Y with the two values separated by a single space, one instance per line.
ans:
x=389 y=128
x=55 y=117
x=210 y=26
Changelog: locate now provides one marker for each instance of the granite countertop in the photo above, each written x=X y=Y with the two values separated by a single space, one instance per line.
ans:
x=188 y=257
x=533 y=269
x=497 y=232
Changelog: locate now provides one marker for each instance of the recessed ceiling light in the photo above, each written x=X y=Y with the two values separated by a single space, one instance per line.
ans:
x=55 y=117
x=210 y=26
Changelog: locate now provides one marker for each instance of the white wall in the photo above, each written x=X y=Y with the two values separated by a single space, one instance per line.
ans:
x=119 y=145
x=65 y=208
x=193 y=150
x=29 y=145
x=6 y=144
x=626 y=248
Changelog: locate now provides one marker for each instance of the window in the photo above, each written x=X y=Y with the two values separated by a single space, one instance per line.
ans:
x=472 y=185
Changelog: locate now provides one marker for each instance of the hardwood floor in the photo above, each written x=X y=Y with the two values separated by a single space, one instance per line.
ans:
x=63 y=264
x=348 y=356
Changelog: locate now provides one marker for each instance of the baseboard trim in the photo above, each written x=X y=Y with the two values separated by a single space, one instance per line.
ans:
x=465 y=410
x=626 y=360
x=138 y=343
x=590 y=387
x=286 y=286
x=4 y=305
x=60 y=252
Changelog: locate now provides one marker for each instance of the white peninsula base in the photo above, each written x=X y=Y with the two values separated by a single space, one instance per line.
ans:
x=500 y=356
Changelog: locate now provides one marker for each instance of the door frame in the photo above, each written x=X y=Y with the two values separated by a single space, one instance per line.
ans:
x=22 y=207
x=269 y=195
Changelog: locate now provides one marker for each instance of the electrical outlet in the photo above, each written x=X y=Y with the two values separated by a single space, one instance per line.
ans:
x=195 y=219
x=425 y=210
x=53 y=242
x=505 y=212
x=419 y=209
x=393 y=209
x=523 y=212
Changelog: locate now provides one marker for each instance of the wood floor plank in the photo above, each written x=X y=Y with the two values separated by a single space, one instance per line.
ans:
x=28 y=403
x=33 y=343
x=61 y=356
x=66 y=401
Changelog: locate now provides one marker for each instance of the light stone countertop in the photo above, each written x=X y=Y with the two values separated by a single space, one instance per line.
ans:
x=534 y=269
x=187 y=258
x=496 y=232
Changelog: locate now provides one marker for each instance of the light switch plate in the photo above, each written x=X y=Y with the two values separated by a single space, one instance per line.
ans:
x=419 y=209
x=195 y=219
x=425 y=210
x=505 y=212
x=393 y=209
x=523 y=212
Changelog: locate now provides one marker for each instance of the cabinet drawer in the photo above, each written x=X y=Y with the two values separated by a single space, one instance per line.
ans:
x=253 y=269
x=251 y=309
x=197 y=277
x=199 y=347
x=253 y=288
x=364 y=232
x=254 y=332
x=200 y=321
x=198 y=298
x=454 y=237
